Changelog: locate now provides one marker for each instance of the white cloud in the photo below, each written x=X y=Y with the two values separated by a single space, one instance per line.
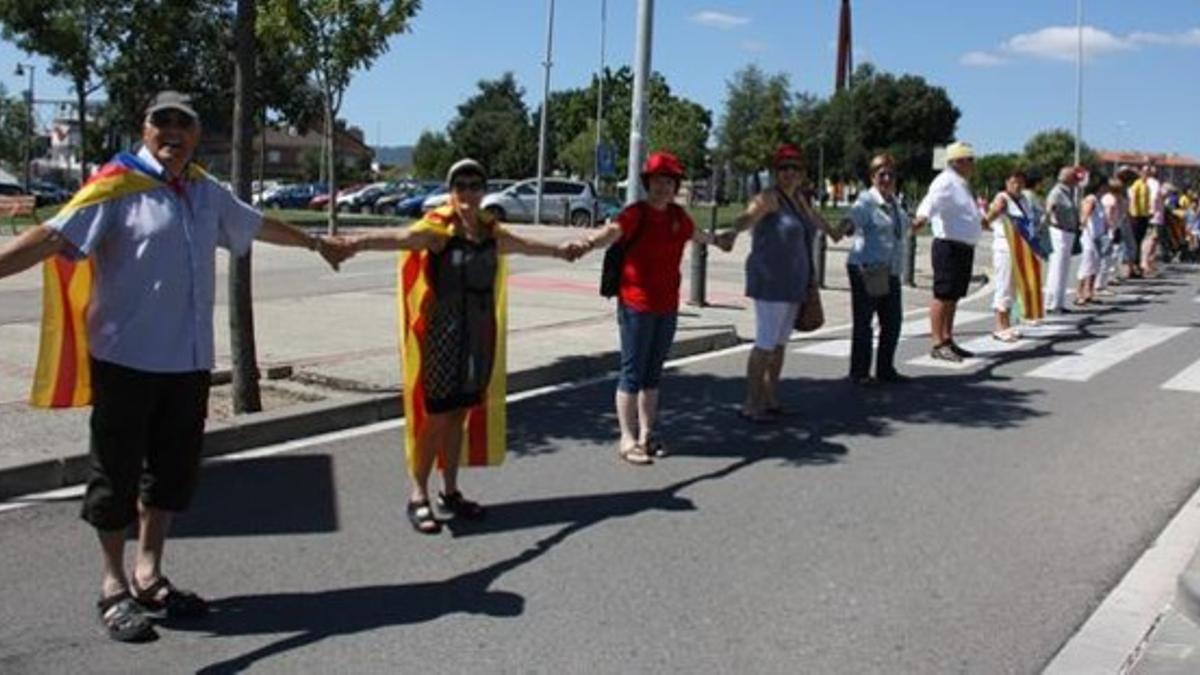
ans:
x=719 y=20
x=1189 y=38
x=981 y=60
x=1062 y=43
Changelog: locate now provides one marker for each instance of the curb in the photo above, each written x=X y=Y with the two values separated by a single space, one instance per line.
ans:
x=310 y=419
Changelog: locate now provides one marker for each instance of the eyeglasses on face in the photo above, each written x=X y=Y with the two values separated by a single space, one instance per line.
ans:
x=789 y=167
x=885 y=173
x=468 y=185
x=163 y=120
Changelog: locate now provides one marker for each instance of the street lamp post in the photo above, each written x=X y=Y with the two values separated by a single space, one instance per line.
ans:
x=541 y=171
x=21 y=67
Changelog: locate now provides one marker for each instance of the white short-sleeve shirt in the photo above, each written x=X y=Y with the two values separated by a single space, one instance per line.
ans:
x=951 y=208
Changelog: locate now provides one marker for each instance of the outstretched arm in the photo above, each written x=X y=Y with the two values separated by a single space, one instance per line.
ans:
x=604 y=236
x=515 y=243
x=396 y=239
x=282 y=234
x=33 y=246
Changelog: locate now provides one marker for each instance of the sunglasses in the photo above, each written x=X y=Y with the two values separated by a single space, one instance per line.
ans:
x=468 y=185
x=885 y=173
x=177 y=120
x=789 y=167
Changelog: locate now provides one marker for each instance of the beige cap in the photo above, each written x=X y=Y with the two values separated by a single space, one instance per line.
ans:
x=959 y=150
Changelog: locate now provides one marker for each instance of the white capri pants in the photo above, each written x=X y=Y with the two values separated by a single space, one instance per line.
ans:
x=1002 y=296
x=1089 y=260
x=1059 y=268
x=773 y=322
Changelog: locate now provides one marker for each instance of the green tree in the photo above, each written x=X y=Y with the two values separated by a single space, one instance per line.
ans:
x=1048 y=151
x=991 y=171
x=13 y=128
x=432 y=156
x=335 y=38
x=75 y=36
x=495 y=128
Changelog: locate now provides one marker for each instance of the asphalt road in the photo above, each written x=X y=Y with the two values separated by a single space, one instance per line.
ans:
x=968 y=522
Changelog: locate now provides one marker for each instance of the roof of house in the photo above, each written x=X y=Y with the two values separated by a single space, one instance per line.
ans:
x=1135 y=157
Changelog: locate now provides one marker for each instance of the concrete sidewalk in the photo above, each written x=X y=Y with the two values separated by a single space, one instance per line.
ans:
x=335 y=361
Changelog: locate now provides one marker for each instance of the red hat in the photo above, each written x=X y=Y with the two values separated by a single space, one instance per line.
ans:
x=787 y=153
x=662 y=164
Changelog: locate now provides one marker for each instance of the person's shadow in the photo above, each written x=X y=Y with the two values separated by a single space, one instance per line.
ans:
x=314 y=616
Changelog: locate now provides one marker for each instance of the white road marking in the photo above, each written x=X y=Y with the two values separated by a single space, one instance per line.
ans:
x=1187 y=380
x=840 y=347
x=1108 y=641
x=1100 y=356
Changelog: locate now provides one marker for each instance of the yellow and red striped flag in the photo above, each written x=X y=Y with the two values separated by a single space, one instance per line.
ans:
x=484 y=438
x=62 y=377
x=1026 y=265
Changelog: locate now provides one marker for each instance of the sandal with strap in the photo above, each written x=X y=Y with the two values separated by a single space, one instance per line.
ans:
x=124 y=620
x=635 y=454
x=171 y=604
x=420 y=516
x=460 y=506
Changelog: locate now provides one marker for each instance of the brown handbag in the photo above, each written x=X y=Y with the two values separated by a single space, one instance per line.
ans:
x=811 y=315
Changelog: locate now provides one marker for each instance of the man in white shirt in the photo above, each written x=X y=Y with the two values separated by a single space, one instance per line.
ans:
x=150 y=337
x=957 y=222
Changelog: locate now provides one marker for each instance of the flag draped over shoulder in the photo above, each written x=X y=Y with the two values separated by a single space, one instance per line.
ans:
x=484 y=439
x=62 y=378
x=1027 y=255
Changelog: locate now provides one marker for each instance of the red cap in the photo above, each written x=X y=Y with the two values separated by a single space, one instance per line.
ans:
x=788 y=153
x=662 y=164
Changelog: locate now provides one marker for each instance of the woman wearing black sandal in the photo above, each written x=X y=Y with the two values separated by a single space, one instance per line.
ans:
x=452 y=319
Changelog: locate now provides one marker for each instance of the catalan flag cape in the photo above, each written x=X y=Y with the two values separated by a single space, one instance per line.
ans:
x=62 y=378
x=484 y=439
x=1027 y=255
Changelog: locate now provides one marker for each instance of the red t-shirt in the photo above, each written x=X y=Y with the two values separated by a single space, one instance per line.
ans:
x=650 y=277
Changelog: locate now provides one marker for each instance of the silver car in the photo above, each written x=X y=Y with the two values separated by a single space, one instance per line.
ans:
x=563 y=201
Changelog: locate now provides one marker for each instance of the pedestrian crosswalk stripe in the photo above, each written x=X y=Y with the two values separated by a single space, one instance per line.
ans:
x=1100 y=356
x=909 y=329
x=986 y=345
x=1186 y=380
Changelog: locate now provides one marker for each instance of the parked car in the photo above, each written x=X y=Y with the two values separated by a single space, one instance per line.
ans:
x=49 y=193
x=321 y=201
x=364 y=198
x=563 y=201
x=390 y=205
x=416 y=206
x=295 y=196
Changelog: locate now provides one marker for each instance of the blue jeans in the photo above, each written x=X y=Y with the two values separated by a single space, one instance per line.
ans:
x=645 y=340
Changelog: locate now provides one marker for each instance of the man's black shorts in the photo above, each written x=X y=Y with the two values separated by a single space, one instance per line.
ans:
x=952 y=261
x=147 y=430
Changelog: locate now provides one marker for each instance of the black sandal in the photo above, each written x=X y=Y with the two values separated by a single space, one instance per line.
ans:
x=124 y=620
x=174 y=604
x=656 y=448
x=460 y=506
x=421 y=517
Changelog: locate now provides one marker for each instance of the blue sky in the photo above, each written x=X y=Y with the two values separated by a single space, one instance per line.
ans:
x=1003 y=63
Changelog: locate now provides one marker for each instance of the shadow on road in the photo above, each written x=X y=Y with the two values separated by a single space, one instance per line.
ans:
x=315 y=616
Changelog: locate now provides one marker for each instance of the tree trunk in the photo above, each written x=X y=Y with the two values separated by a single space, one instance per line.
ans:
x=246 y=394
x=331 y=157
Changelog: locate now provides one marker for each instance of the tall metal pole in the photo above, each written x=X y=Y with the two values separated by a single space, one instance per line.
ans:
x=541 y=171
x=600 y=94
x=641 y=75
x=28 y=124
x=1079 y=81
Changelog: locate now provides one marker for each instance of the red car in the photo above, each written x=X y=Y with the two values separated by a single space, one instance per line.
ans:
x=321 y=202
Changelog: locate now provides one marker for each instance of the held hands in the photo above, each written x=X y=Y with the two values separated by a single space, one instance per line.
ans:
x=335 y=250
x=724 y=240
x=572 y=250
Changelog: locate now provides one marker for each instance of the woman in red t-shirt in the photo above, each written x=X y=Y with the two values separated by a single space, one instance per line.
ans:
x=654 y=232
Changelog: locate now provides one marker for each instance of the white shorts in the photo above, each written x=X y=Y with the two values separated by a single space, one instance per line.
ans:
x=773 y=322
x=1002 y=297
